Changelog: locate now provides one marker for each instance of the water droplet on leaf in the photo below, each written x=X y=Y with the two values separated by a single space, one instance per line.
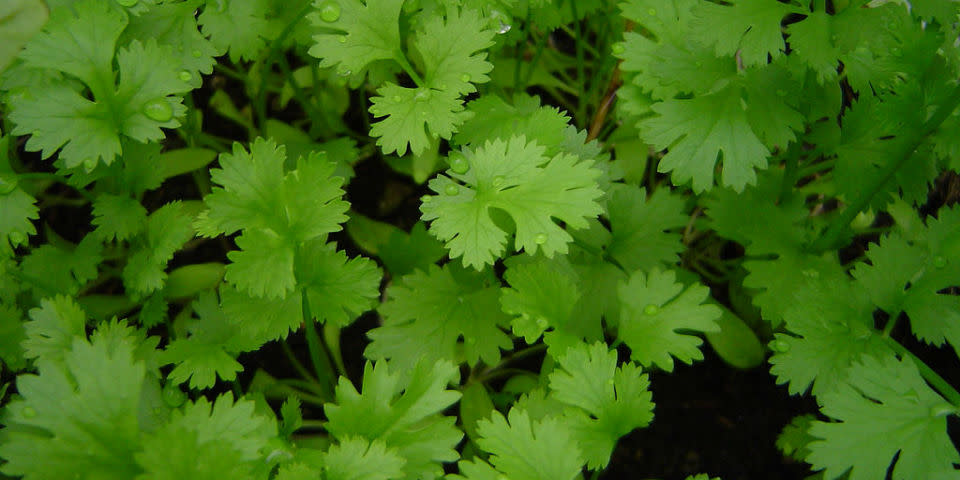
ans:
x=542 y=322
x=344 y=72
x=540 y=239
x=652 y=12
x=397 y=99
x=939 y=262
x=196 y=53
x=329 y=11
x=942 y=410
x=618 y=48
x=8 y=182
x=173 y=396
x=459 y=164
x=185 y=76
x=29 y=412
x=426 y=199
x=651 y=309
x=465 y=77
x=158 y=110
x=504 y=28
x=498 y=181
x=17 y=238
x=342 y=39
x=423 y=95
x=127 y=3
x=780 y=346
x=451 y=190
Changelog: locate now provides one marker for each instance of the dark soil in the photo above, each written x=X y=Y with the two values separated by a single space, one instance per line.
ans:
x=711 y=418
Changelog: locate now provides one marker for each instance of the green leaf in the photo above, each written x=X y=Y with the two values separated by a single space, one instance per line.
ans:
x=736 y=343
x=404 y=416
x=118 y=217
x=612 y=401
x=492 y=118
x=12 y=335
x=20 y=20
x=885 y=413
x=17 y=207
x=135 y=101
x=747 y=28
x=515 y=177
x=404 y=253
x=655 y=310
x=699 y=130
x=441 y=313
x=640 y=225
x=356 y=458
x=530 y=450
x=236 y=26
x=410 y=113
x=53 y=327
x=358 y=35
x=167 y=229
x=451 y=49
x=79 y=415
x=54 y=270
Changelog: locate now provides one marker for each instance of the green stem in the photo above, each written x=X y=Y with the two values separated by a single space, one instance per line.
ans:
x=789 y=172
x=319 y=358
x=892 y=322
x=297 y=365
x=260 y=102
x=932 y=377
x=301 y=384
x=309 y=107
x=834 y=232
x=815 y=168
x=55 y=178
x=313 y=424
x=405 y=65
x=581 y=77
x=541 y=46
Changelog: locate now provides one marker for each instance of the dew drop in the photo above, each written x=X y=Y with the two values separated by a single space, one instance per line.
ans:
x=344 y=72
x=618 y=48
x=127 y=3
x=609 y=381
x=185 y=76
x=329 y=11
x=196 y=53
x=780 y=346
x=397 y=99
x=90 y=163
x=7 y=183
x=459 y=164
x=451 y=190
x=342 y=39
x=651 y=309
x=173 y=396
x=158 y=110
x=542 y=322
x=540 y=239
x=939 y=261
x=652 y=12
x=423 y=95
x=498 y=181
x=504 y=28
x=465 y=77
x=17 y=238
x=942 y=410
x=426 y=199
x=29 y=412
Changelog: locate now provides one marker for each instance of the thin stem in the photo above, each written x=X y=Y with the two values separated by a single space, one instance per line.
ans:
x=308 y=106
x=835 y=231
x=815 y=168
x=532 y=67
x=789 y=172
x=405 y=65
x=313 y=424
x=932 y=377
x=321 y=363
x=578 y=46
x=260 y=102
x=302 y=385
x=297 y=365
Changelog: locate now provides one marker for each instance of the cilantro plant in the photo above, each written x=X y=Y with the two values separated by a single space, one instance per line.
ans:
x=581 y=192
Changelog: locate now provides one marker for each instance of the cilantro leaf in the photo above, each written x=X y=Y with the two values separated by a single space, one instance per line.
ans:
x=412 y=112
x=885 y=413
x=405 y=417
x=361 y=33
x=277 y=212
x=611 y=401
x=142 y=100
x=175 y=24
x=12 y=335
x=53 y=327
x=451 y=48
x=432 y=315
x=640 y=227
x=516 y=177
x=492 y=117
x=118 y=217
x=530 y=450
x=655 y=308
x=52 y=270
x=17 y=207
x=78 y=415
x=21 y=19
x=356 y=458
x=829 y=316
x=167 y=229
x=236 y=26
x=698 y=130
x=749 y=28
